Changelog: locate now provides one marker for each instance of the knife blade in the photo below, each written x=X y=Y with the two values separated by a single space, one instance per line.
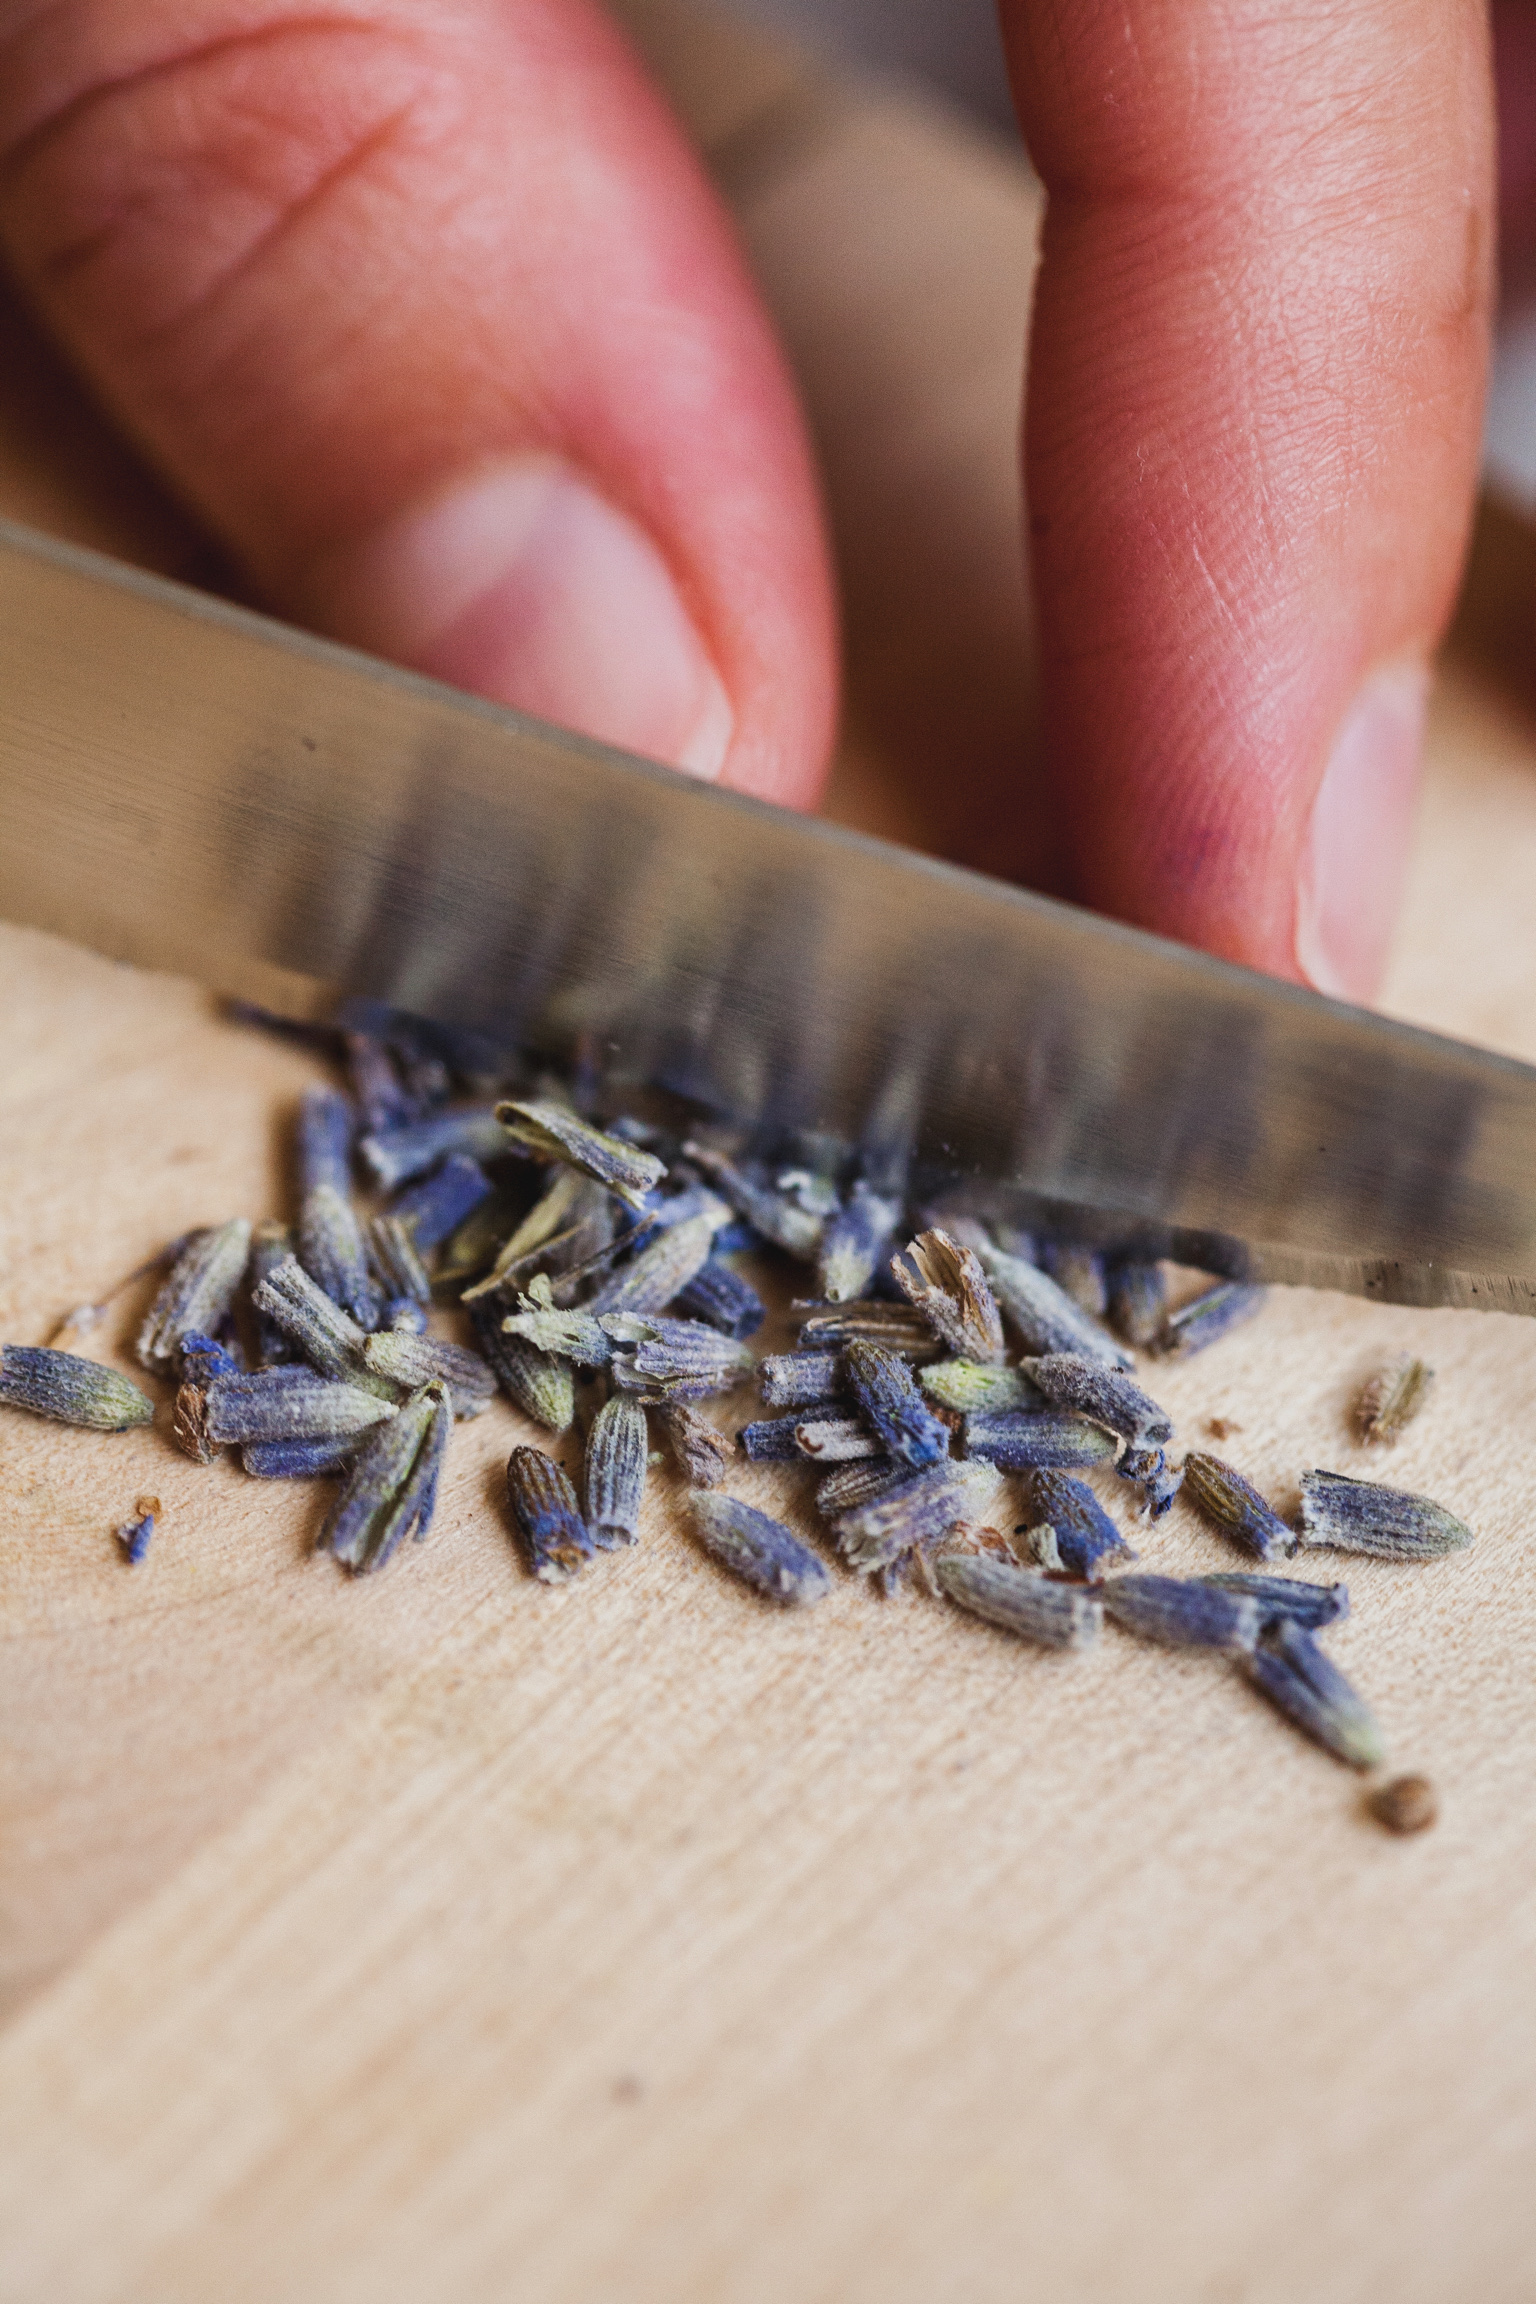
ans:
x=189 y=786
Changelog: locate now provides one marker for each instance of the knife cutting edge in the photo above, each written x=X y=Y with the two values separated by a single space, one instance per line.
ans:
x=192 y=787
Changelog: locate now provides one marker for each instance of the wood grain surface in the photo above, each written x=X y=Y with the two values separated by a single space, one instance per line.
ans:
x=444 y=1936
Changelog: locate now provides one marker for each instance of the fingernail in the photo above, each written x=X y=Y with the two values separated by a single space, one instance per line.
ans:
x=527 y=585
x=1356 y=854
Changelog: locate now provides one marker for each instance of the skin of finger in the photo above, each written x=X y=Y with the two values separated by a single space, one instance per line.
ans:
x=320 y=265
x=1253 y=414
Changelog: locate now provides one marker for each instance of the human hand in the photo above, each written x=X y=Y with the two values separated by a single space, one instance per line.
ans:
x=434 y=321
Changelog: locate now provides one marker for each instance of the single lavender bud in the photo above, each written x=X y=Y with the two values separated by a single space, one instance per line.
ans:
x=759 y=1551
x=548 y=1517
x=667 y=1265
x=946 y=1284
x=855 y=1242
x=802 y=1379
x=69 y=1390
x=197 y=1292
x=289 y=1404
x=618 y=1450
x=1289 y=1668
x=971 y=1387
x=439 y=1203
x=687 y=1359
x=271 y=1245
x=1019 y=1440
x=1085 y=1534
x=1358 y=1516
x=1046 y=1318
x=298 y=1459
x=723 y=1298
x=542 y=1386
x=1021 y=1600
x=1183 y=1614
x=1106 y=1395
x=1208 y=1317
x=1312 y=1606
x=330 y=1238
x=1137 y=1292
x=391 y=1490
x=893 y=1408
x=1235 y=1506
x=392 y=1252
x=554 y=1132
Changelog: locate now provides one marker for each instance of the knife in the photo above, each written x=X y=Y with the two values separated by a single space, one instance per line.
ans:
x=189 y=786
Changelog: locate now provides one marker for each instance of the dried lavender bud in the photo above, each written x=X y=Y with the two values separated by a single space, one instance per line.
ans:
x=1308 y=1687
x=330 y=1237
x=576 y=1335
x=1024 y=1440
x=879 y=1536
x=703 y=1453
x=859 y=1483
x=778 y=1216
x=1390 y=1402
x=1105 y=1395
x=439 y=1203
x=412 y=1361
x=70 y=1390
x=297 y=1459
x=393 y=1155
x=1045 y=1316
x=772 y=1439
x=1357 y=1516
x=1208 y=1317
x=554 y=1132
x=1183 y=1614
x=1078 y=1271
x=134 y=1535
x=760 y=1551
x=327 y=1337
x=664 y=1268
x=1149 y=1470
x=723 y=1298
x=855 y=1242
x=945 y=1283
x=391 y=1489
x=1021 y=1600
x=203 y=1358
x=542 y=1386
x=1085 y=1534
x=618 y=1450
x=970 y=1387
x=801 y=1379
x=1137 y=1295
x=197 y=1293
x=289 y=1404
x=1407 y=1804
x=544 y=1506
x=1309 y=1605
x=271 y=1245
x=685 y=1358
x=893 y=1407
x=478 y=1240
x=837 y=1440
x=401 y=1274
x=1235 y=1506
x=825 y=1328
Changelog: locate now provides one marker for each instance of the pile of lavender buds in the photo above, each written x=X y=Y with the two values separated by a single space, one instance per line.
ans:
x=590 y=1261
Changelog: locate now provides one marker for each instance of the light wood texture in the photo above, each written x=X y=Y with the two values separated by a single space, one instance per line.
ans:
x=443 y=1936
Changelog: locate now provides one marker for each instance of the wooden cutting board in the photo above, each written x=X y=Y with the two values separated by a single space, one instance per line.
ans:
x=440 y=1935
